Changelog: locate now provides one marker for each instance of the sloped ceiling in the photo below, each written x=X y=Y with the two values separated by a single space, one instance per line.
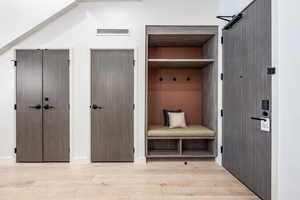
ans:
x=20 y=18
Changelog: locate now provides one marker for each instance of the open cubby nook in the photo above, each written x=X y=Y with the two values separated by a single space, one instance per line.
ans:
x=164 y=147
x=197 y=147
x=181 y=74
x=180 y=147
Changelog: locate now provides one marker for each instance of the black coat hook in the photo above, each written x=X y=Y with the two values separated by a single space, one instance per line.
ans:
x=161 y=79
x=174 y=79
x=188 y=78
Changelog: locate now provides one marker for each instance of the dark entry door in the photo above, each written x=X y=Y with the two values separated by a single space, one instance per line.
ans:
x=112 y=105
x=247 y=98
x=42 y=105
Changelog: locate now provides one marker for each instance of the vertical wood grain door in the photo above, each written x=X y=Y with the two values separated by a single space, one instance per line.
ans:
x=112 y=105
x=42 y=105
x=233 y=105
x=29 y=113
x=56 y=105
x=247 y=98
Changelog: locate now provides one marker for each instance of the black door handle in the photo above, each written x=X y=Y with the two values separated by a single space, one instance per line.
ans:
x=95 y=107
x=258 y=119
x=36 y=107
x=47 y=107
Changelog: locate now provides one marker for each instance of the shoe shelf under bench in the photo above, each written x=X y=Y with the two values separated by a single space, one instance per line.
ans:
x=189 y=147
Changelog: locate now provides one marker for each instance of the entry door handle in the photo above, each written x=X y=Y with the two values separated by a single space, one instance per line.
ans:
x=95 y=107
x=36 y=107
x=258 y=119
x=47 y=107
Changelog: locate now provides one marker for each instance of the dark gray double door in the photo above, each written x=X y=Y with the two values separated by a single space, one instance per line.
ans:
x=42 y=105
x=112 y=105
x=247 y=98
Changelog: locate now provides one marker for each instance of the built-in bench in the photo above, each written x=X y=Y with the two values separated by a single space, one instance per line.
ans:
x=189 y=131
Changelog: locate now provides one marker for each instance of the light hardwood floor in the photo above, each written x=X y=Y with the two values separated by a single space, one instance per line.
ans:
x=120 y=181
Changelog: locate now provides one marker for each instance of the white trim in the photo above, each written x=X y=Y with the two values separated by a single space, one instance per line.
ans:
x=7 y=160
x=275 y=101
x=80 y=160
x=140 y=160
x=70 y=103
x=219 y=158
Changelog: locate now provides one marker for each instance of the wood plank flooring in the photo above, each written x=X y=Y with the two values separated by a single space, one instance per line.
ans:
x=120 y=181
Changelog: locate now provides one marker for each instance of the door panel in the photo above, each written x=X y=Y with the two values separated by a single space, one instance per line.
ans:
x=112 y=89
x=257 y=88
x=29 y=94
x=56 y=95
x=232 y=101
x=242 y=138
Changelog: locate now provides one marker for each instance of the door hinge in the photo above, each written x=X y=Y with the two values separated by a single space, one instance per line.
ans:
x=133 y=106
x=15 y=106
x=15 y=62
x=222 y=113
x=222 y=40
x=69 y=61
x=271 y=70
x=222 y=76
x=222 y=149
x=133 y=150
x=133 y=62
x=15 y=150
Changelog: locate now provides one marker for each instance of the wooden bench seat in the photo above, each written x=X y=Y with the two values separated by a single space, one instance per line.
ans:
x=189 y=131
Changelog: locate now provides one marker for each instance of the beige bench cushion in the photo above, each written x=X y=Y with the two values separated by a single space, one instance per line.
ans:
x=189 y=131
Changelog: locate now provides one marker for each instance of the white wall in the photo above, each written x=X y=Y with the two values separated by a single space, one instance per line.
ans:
x=76 y=30
x=231 y=7
x=19 y=16
x=289 y=66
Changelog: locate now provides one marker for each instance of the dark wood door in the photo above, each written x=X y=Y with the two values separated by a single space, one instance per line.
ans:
x=233 y=100
x=247 y=98
x=258 y=88
x=29 y=114
x=42 y=105
x=112 y=105
x=56 y=105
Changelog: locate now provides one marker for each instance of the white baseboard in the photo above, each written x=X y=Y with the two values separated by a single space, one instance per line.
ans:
x=85 y=160
x=7 y=160
x=80 y=160
x=140 y=160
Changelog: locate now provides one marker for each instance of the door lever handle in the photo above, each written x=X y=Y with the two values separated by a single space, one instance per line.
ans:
x=36 y=107
x=47 y=107
x=258 y=119
x=96 y=107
